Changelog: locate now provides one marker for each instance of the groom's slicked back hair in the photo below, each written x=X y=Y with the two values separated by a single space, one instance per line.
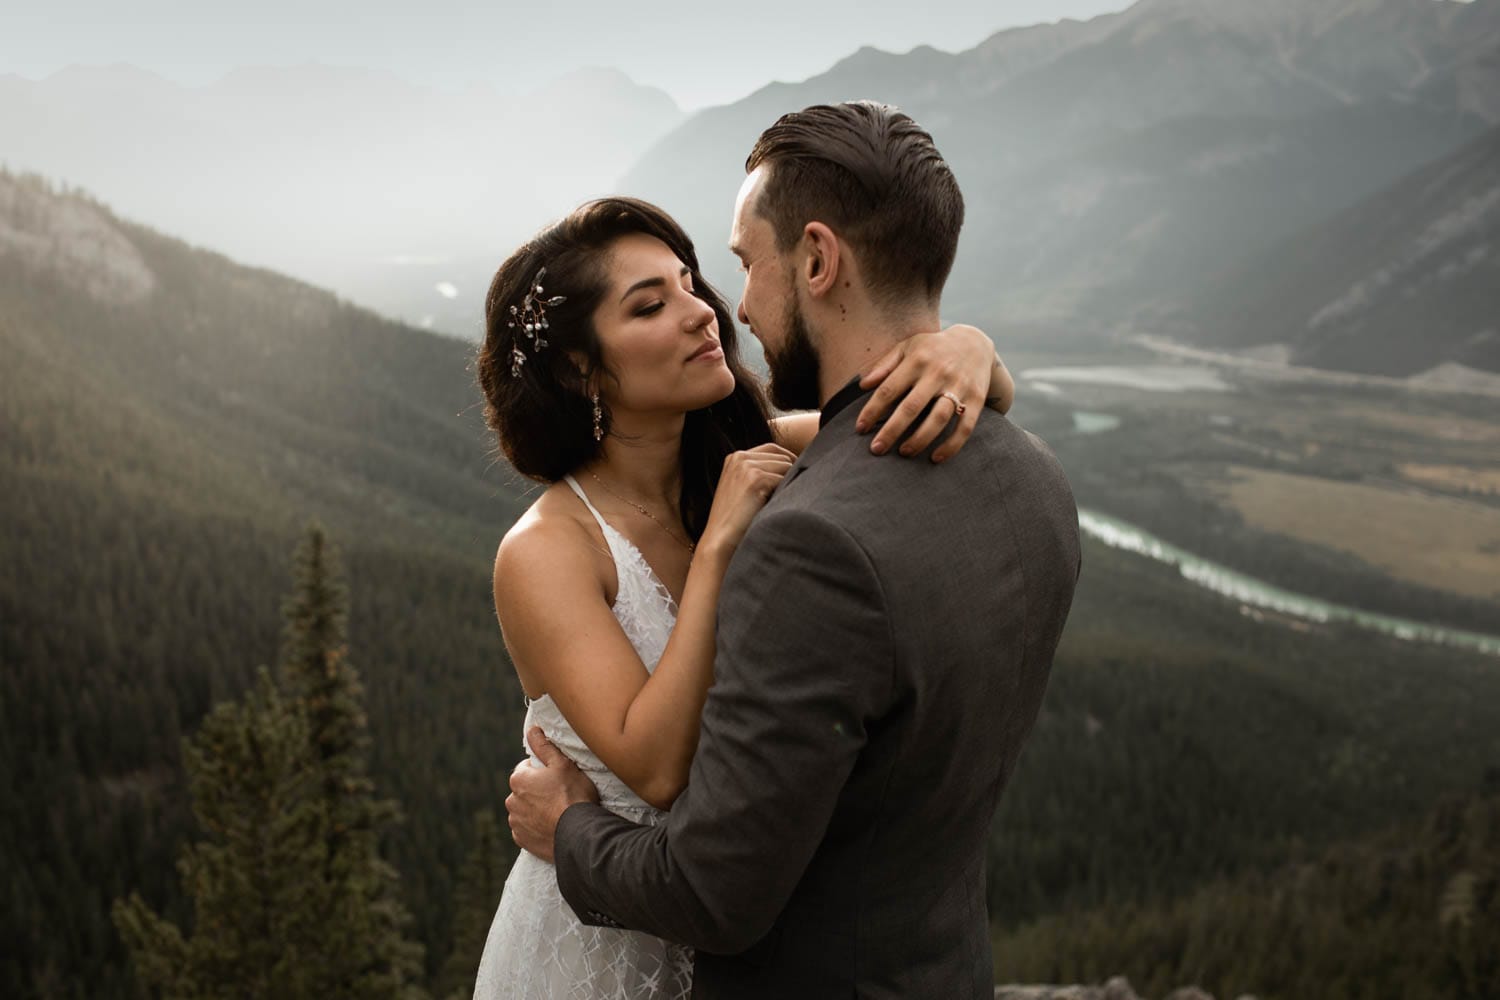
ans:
x=873 y=175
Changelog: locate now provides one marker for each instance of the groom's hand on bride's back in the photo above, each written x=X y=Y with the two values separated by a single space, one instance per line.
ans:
x=540 y=795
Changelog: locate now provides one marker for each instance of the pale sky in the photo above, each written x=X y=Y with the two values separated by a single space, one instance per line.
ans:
x=700 y=53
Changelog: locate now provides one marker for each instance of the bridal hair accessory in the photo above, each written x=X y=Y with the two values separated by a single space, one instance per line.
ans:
x=598 y=419
x=530 y=318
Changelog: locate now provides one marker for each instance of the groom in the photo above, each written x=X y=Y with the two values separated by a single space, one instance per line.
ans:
x=885 y=630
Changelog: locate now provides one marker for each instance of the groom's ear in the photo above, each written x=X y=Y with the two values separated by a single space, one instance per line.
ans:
x=820 y=263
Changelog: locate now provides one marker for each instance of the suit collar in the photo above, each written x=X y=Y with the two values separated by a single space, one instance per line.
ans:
x=834 y=425
x=835 y=405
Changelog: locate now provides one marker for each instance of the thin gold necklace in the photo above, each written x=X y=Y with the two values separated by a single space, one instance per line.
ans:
x=680 y=541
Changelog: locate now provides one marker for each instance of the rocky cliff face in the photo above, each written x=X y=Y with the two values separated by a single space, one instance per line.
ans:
x=72 y=238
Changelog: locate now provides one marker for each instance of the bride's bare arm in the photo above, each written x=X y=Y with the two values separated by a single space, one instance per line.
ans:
x=795 y=431
x=960 y=359
x=562 y=634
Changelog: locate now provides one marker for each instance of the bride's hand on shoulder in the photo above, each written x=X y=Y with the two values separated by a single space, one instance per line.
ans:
x=746 y=483
x=956 y=370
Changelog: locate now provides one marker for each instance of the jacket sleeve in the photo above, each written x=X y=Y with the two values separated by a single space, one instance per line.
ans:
x=804 y=663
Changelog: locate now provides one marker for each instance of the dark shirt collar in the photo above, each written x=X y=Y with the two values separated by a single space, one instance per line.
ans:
x=841 y=399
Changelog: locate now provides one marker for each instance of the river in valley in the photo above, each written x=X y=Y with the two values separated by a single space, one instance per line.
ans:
x=1237 y=586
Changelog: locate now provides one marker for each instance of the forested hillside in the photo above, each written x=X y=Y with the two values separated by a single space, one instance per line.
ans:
x=1412 y=912
x=163 y=440
x=1182 y=740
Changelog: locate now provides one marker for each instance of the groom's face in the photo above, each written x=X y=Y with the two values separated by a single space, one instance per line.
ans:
x=769 y=306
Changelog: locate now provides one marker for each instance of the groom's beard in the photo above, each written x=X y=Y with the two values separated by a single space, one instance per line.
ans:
x=795 y=372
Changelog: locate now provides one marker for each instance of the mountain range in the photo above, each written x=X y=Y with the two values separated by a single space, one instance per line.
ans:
x=1401 y=281
x=1112 y=165
x=1114 y=169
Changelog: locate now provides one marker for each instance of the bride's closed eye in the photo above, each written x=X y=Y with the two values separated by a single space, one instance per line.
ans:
x=656 y=306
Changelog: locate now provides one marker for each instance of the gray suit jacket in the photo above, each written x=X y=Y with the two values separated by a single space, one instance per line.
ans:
x=885 y=633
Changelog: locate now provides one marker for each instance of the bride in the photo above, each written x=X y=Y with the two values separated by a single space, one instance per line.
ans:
x=611 y=372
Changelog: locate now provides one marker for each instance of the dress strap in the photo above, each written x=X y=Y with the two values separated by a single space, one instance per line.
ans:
x=603 y=525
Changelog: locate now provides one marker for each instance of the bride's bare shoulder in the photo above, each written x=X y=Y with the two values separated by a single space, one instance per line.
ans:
x=555 y=533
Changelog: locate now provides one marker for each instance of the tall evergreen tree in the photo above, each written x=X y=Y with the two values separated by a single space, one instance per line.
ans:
x=315 y=669
x=254 y=878
x=475 y=898
x=366 y=952
x=291 y=896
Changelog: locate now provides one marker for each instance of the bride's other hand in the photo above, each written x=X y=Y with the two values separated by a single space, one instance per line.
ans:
x=748 y=479
x=924 y=369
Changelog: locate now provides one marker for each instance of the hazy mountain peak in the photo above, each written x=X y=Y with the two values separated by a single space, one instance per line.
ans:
x=1277 y=16
x=1267 y=8
x=116 y=77
x=601 y=80
x=72 y=238
x=312 y=72
x=111 y=71
x=317 y=82
x=870 y=56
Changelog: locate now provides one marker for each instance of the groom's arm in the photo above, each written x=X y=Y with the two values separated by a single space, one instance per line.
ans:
x=804 y=663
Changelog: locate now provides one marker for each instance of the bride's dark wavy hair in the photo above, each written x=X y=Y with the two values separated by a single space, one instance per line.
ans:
x=543 y=418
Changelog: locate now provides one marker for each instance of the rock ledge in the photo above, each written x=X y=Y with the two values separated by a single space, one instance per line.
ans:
x=1118 y=988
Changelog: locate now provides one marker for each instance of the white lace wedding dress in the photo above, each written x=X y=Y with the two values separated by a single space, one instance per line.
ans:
x=537 y=949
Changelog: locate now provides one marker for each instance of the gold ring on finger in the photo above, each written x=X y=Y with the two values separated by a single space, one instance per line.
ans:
x=958 y=404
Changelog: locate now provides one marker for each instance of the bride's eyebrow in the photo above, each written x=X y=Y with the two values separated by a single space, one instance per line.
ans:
x=653 y=282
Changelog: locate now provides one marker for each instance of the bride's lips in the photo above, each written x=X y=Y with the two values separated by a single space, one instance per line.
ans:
x=709 y=351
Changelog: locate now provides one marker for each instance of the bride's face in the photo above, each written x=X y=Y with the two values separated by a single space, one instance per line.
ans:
x=658 y=338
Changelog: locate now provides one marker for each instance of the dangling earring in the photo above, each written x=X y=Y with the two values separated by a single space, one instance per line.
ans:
x=598 y=419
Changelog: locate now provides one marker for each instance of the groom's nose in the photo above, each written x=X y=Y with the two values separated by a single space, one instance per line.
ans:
x=740 y=312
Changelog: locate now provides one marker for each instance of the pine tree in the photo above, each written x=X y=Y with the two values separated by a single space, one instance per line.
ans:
x=316 y=671
x=475 y=898
x=365 y=951
x=253 y=879
x=291 y=897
